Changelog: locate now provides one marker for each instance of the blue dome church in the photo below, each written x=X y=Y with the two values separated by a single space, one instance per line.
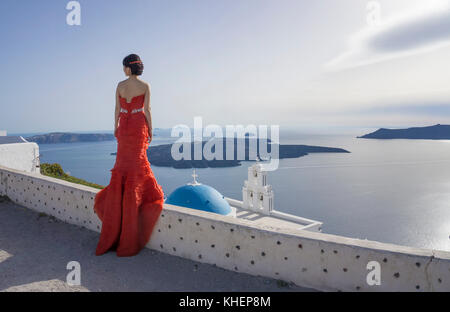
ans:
x=201 y=197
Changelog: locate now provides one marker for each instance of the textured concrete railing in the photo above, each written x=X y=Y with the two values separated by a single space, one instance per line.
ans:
x=315 y=260
x=20 y=156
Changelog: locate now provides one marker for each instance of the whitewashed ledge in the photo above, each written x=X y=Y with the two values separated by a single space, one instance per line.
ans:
x=315 y=260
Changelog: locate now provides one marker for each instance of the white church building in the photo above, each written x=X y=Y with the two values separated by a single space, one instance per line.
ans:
x=257 y=202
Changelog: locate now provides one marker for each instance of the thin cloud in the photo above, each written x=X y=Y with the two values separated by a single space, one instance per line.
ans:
x=426 y=109
x=414 y=32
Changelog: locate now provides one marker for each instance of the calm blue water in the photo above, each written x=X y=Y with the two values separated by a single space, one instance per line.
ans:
x=391 y=191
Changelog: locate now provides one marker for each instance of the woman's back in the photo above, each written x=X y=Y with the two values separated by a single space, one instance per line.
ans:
x=132 y=88
x=133 y=105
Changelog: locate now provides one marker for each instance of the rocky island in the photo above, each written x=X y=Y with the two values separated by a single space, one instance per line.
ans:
x=437 y=132
x=160 y=155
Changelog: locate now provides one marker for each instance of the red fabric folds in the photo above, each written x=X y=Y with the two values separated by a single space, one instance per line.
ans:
x=131 y=204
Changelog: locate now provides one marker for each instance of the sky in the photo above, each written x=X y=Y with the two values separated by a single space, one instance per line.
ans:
x=323 y=66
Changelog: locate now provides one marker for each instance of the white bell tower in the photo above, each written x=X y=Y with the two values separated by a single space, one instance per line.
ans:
x=257 y=195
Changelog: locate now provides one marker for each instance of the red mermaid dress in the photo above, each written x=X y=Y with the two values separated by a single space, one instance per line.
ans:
x=131 y=204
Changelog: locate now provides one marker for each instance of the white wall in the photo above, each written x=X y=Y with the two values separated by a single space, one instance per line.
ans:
x=20 y=156
x=316 y=260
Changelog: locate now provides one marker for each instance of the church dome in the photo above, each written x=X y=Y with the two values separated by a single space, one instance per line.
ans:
x=201 y=197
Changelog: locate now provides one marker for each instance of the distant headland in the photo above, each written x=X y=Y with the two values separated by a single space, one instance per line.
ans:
x=66 y=137
x=160 y=155
x=69 y=137
x=437 y=132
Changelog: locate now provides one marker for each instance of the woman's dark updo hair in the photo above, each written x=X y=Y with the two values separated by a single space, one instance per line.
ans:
x=136 y=68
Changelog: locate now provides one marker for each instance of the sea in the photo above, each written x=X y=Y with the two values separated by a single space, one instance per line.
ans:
x=392 y=191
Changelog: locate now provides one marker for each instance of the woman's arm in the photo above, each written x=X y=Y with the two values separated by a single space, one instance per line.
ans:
x=147 y=111
x=117 y=112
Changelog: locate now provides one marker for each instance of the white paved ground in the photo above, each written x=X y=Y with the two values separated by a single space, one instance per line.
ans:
x=35 y=250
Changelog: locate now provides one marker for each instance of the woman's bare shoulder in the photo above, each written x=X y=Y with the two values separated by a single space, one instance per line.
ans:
x=121 y=85
x=144 y=84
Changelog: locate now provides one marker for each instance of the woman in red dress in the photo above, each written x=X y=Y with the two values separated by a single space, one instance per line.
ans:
x=131 y=204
